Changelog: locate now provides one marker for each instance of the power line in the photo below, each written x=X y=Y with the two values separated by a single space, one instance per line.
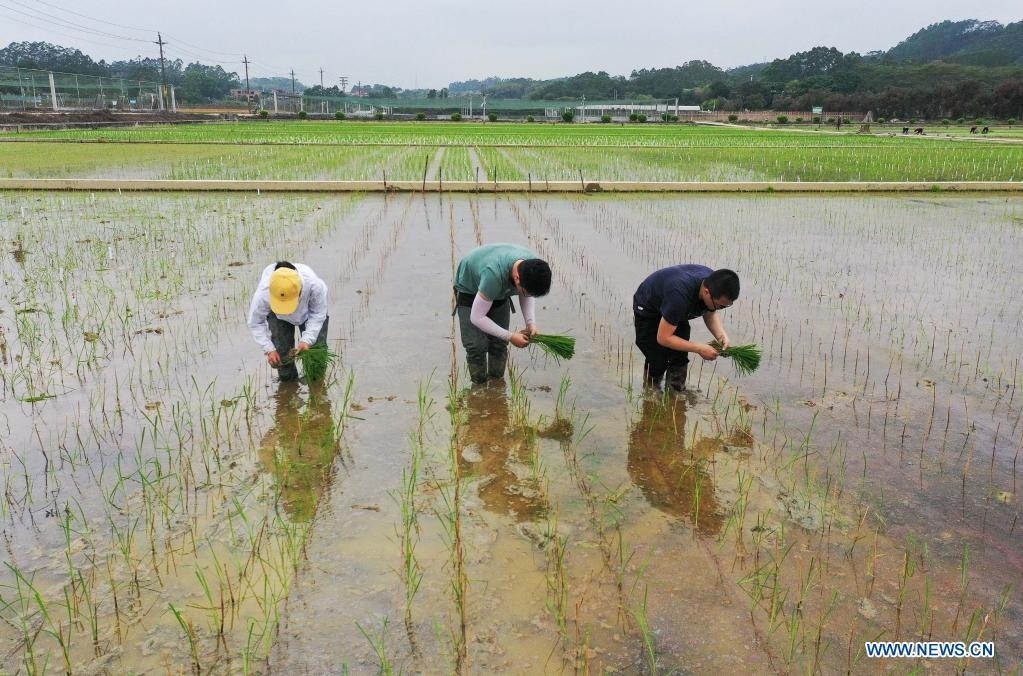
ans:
x=93 y=19
x=203 y=49
x=90 y=18
x=278 y=69
x=57 y=32
x=58 y=26
x=49 y=18
x=199 y=57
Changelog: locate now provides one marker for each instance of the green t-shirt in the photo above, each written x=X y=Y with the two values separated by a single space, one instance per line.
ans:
x=487 y=270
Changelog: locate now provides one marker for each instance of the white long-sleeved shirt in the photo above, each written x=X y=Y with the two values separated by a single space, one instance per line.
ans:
x=311 y=310
x=480 y=307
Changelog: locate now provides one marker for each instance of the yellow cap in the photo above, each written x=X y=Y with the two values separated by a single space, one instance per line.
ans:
x=285 y=289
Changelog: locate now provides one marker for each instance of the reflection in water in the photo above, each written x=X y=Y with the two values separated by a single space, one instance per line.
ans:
x=300 y=447
x=502 y=454
x=673 y=479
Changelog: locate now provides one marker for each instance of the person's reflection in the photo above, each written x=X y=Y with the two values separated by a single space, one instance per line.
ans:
x=300 y=447
x=501 y=454
x=673 y=479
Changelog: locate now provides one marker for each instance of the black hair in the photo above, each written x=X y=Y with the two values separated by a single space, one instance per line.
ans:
x=284 y=264
x=723 y=282
x=535 y=276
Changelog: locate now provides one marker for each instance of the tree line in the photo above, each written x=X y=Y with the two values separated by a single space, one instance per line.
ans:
x=193 y=82
x=947 y=70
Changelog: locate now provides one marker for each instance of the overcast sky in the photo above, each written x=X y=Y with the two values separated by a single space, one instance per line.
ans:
x=430 y=43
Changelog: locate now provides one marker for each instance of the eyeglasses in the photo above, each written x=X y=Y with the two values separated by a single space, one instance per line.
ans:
x=715 y=307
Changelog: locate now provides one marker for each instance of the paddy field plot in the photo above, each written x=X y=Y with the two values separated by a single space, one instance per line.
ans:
x=167 y=505
x=495 y=152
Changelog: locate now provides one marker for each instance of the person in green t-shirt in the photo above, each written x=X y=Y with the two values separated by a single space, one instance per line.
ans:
x=485 y=281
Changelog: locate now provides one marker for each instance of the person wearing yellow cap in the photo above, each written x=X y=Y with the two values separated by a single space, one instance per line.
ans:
x=288 y=296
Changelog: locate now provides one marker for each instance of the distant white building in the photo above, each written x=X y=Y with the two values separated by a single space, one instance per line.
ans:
x=619 y=110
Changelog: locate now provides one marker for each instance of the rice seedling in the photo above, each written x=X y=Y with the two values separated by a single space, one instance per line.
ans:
x=451 y=522
x=746 y=358
x=554 y=346
x=639 y=614
x=379 y=645
x=193 y=647
x=315 y=361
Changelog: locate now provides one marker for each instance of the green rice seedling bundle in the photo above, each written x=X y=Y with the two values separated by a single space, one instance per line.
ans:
x=559 y=347
x=315 y=361
x=745 y=357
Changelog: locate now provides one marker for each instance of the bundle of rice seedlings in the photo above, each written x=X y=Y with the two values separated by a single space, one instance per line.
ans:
x=559 y=347
x=315 y=361
x=745 y=357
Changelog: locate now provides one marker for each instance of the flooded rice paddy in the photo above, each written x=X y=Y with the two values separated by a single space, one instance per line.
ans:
x=168 y=507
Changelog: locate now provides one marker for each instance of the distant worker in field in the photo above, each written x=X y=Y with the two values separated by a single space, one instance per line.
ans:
x=288 y=296
x=486 y=279
x=664 y=304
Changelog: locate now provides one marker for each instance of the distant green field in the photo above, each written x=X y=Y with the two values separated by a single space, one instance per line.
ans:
x=461 y=133
x=507 y=133
x=503 y=151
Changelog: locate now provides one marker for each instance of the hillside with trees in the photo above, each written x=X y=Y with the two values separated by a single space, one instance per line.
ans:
x=982 y=43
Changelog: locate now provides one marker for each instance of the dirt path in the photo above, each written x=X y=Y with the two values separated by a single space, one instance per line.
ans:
x=435 y=163
x=477 y=165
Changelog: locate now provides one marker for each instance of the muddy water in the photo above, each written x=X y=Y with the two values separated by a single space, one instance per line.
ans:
x=764 y=524
x=830 y=437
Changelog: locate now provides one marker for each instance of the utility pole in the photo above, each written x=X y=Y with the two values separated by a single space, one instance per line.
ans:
x=344 y=83
x=321 y=78
x=292 y=81
x=248 y=92
x=163 y=70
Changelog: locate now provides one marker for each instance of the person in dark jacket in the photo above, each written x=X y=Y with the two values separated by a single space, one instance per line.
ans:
x=663 y=306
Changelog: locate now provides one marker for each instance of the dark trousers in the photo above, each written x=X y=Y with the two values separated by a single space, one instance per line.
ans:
x=660 y=359
x=282 y=334
x=486 y=355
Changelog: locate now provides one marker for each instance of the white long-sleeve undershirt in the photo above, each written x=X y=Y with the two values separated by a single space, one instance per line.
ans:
x=481 y=306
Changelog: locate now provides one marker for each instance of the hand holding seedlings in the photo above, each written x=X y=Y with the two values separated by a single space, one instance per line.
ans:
x=706 y=351
x=273 y=358
x=519 y=339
